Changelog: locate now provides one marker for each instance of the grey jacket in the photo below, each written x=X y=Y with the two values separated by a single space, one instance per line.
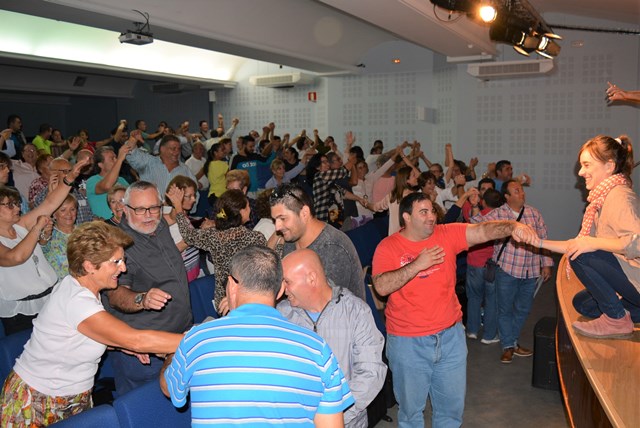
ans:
x=346 y=323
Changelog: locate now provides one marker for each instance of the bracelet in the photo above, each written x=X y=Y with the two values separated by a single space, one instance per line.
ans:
x=67 y=182
x=42 y=236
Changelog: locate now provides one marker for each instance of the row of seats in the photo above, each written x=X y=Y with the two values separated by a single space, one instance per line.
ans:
x=145 y=406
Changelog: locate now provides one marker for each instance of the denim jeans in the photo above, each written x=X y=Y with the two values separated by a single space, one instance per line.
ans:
x=602 y=276
x=515 y=297
x=477 y=290
x=434 y=366
x=129 y=373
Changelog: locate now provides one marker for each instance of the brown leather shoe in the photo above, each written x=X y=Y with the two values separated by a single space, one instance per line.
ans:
x=522 y=352
x=507 y=356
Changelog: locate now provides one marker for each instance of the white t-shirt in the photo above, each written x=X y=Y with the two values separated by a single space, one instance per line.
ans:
x=195 y=165
x=58 y=360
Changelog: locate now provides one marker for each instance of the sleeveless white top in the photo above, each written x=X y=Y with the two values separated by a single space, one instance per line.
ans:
x=30 y=278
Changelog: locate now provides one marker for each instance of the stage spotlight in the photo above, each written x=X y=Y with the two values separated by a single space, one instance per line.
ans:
x=550 y=49
x=488 y=13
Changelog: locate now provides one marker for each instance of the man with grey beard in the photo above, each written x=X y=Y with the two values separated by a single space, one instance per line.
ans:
x=153 y=293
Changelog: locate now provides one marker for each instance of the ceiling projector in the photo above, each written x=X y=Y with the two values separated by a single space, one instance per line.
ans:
x=136 y=38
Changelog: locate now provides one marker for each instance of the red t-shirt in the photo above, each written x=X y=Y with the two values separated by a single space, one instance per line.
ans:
x=428 y=303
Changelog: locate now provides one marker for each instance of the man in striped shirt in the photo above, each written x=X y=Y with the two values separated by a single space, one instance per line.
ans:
x=253 y=367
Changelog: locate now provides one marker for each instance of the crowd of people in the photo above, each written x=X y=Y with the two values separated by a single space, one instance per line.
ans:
x=99 y=240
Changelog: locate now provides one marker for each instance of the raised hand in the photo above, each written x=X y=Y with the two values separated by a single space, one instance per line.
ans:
x=75 y=143
x=175 y=195
x=349 y=138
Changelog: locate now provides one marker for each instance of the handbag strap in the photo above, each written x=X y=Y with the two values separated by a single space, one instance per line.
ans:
x=508 y=238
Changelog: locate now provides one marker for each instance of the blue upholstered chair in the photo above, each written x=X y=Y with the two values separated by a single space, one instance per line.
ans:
x=99 y=417
x=201 y=293
x=147 y=406
x=10 y=349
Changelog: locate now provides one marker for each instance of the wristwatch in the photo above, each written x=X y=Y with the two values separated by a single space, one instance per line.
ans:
x=139 y=298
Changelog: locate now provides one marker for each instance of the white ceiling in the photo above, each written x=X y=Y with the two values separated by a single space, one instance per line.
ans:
x=322 y=36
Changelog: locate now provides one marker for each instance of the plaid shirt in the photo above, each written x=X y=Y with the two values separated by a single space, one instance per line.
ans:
x=84 y=210
x=519 y=260
x=324 y=193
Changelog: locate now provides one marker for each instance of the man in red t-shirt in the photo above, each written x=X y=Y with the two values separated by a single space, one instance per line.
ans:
x=426 y=347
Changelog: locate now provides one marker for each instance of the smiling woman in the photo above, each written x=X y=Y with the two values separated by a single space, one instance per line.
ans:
x=74 y=319
x=605 y=255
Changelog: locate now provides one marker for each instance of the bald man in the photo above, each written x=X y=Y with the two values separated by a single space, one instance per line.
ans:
x=59 y=167
x=343 y=320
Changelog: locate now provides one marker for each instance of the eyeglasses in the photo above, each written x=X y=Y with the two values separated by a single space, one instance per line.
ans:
x=64 y=171
x=118 y=262
x=11 y=205
x=282 y=192
x=234 y=279
x=142 y=210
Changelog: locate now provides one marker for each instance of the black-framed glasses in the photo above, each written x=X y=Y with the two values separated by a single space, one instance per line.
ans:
x=234 y=279
x=11 y=205
x=142 y=210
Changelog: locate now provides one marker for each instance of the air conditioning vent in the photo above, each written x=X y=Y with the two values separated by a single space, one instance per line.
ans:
x=507 y=69
x=288 y=80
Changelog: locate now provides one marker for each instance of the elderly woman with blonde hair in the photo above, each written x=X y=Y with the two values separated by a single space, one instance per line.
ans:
x=53 y=378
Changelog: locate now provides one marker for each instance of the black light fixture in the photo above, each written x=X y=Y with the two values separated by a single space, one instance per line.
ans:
x=513 y=22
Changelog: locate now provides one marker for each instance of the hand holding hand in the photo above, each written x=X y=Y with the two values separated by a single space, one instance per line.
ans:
x=459 y=180
x=44 y=224
x=474 y=197
x=125 y=149
x=525 y=233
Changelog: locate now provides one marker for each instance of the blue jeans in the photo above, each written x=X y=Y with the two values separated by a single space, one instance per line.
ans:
x=515 y=297
x=602 y=276
x=129 y=373
x=434 y=366
x=477 y=290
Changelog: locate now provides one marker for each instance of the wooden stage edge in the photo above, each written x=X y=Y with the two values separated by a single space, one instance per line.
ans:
x=599 y=378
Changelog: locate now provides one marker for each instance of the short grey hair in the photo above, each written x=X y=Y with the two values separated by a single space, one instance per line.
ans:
x=139 y=186
x=258 y=269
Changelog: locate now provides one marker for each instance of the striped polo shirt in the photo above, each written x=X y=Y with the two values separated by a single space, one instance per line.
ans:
x=254 y=367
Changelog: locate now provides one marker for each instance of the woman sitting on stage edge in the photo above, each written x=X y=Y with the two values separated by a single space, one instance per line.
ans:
x=605 y=256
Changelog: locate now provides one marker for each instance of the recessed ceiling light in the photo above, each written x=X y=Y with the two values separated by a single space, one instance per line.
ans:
x=396 y=60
